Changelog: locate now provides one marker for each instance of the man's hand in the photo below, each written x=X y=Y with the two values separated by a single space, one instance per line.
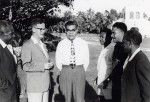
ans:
x=48 y=66
x=100 y=85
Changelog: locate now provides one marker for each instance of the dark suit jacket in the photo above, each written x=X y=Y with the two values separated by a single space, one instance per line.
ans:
x=136 y=80
x=119 y=57
x=7 y=76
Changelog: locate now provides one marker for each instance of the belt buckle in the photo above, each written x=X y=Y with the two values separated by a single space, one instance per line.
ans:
x=72 y=66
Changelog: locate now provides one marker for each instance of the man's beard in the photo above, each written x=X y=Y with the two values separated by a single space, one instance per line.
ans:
x=7 y=39
x=127 y=50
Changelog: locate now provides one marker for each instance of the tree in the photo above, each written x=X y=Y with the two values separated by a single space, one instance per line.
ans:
x=113 y=14
x=23 y=11
x=67 y=15
x=121 y=14
x=99 y=21
x=92 y=22
x=81 y=19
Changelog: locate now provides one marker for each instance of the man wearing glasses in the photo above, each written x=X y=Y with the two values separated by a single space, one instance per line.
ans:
x=72 y=59
x=36 y=63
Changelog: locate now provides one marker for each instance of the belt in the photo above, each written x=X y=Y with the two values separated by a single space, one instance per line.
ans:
x=72 y=65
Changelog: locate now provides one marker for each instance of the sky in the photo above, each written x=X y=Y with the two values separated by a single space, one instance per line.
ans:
x=102 y=5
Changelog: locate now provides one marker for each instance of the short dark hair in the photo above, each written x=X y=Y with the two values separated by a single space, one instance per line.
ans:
x=5 y=27
x=135 y=28
x=108 y=36
x=37 y=21
x=71 y=22
x=133 y=36
x=120 y=25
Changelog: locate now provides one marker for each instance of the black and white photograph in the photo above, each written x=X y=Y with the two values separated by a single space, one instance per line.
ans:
x=74 y=51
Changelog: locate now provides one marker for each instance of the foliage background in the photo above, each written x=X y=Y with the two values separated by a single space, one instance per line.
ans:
x=21 y=12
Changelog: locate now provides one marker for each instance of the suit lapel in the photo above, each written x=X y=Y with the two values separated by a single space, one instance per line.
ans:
x=128 y=65
x=8 y=65
x=38 y=48
x=130 y=69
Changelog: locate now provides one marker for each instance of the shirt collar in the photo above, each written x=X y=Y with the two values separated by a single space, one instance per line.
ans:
x=35 y=41
x=3 y=43
x=133 y=55
x=73 y=40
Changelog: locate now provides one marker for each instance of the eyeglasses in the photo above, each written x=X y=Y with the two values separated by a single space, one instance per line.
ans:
x=10 y=33
x=71 y=30
x=40 y=28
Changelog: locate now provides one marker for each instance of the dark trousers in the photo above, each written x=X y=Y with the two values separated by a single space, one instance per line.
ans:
x=116 y=90
x=9 y=94
x=72 y=81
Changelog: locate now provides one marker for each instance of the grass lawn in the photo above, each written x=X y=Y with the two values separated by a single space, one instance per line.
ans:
x=146 y=43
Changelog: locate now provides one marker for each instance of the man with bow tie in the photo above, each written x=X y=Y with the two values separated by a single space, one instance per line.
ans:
x=8 y=74
x=36 y=63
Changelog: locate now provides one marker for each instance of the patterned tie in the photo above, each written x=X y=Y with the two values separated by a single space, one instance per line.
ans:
x=72 y=58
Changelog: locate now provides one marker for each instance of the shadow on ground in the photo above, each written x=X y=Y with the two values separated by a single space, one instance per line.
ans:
x=90 y=95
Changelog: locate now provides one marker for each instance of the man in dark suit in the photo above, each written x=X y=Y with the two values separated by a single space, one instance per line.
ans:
x=118 y=31
x=7 y=65
x=136 y=74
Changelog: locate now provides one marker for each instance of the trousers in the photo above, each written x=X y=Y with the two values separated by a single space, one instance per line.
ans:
x=72 y=83
x=38 y=97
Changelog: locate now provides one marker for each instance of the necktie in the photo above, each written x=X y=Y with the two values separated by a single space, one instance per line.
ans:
x=72 y=58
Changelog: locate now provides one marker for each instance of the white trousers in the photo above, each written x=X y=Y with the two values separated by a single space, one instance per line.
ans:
x=38 y=97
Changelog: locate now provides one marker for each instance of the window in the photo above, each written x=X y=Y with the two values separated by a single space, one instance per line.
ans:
x=137 y=15
x=131 y=15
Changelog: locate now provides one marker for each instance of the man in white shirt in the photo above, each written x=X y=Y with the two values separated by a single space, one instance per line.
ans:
x=72 y=59
x=36 y=63
x=135 y=79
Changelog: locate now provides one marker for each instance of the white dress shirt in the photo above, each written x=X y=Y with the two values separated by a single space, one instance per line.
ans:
x=3 y=43
x=10 y=48
x=63 y=53
x=104 y=64
x=101 y=65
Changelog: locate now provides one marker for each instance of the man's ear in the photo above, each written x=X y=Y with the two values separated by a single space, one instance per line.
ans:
x=131 y=43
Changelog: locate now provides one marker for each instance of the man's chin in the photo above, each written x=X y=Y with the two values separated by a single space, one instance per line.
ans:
x=8 y=41
x=114 y=40
x=127 y=51
x=41 y=37
x=71 y=38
